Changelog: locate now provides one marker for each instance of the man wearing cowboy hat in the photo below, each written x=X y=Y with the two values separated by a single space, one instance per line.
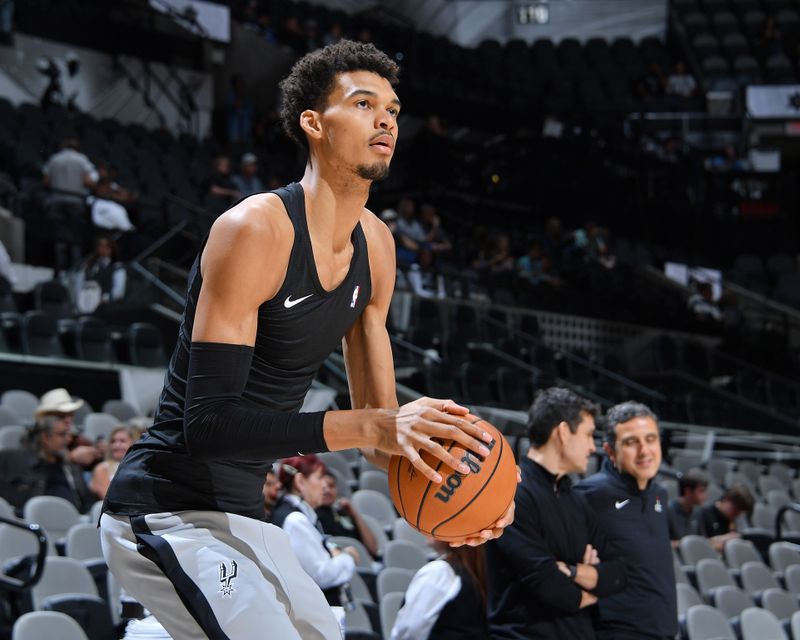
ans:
x=43 y=466
x=61 y=405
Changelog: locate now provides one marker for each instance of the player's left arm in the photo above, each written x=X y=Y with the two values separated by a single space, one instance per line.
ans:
x=367 y=348
x=368 y=351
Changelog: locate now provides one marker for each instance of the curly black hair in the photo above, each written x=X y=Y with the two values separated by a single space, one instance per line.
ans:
x=312 y=79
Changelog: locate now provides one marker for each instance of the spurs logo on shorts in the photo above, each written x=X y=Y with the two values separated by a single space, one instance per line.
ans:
x=226 y=578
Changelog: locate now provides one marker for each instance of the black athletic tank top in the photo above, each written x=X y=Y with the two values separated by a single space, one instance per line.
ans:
x=297 y=330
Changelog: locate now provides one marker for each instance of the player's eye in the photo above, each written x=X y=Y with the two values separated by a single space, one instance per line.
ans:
x=361 y=104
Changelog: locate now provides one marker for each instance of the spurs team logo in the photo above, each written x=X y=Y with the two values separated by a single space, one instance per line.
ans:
x=226 y=578
x=657 y=507
x=355 y=297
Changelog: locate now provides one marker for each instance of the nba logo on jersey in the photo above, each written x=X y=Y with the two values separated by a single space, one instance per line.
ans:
x=355 y=297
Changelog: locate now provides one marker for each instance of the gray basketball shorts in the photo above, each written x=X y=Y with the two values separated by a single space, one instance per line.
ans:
x=208 y=574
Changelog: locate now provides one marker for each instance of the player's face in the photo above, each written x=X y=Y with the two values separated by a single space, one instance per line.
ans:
x=579 y=446
x=359 y=124
x=637 y=450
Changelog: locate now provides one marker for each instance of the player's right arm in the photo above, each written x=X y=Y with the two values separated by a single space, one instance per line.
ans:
x=243 y=265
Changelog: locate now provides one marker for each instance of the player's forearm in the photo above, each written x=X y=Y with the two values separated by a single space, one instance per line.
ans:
x=357 y=428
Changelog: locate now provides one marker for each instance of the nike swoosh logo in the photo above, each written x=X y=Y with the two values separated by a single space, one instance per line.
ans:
x=621 y=503
x=289 y=303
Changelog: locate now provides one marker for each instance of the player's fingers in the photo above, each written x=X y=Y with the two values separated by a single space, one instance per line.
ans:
x=452 y=432
x=506 y=519
x=420 y=465
x=474 y=541
x=438 y=451
x=446 y=405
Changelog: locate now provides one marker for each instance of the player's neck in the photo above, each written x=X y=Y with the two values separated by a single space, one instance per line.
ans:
x=334 y=201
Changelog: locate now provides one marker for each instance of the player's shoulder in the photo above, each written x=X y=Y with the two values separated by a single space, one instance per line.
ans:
x=260 y=217
x=375 y=230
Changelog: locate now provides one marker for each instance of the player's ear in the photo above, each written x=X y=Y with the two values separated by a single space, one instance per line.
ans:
x=563 y=431
x=310 y=123
x=610 y=452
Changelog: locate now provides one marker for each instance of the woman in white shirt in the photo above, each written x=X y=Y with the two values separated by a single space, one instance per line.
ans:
x=302 y=478
x=446 y=599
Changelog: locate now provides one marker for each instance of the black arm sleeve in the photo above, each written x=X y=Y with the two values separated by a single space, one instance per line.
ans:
x=218 y=426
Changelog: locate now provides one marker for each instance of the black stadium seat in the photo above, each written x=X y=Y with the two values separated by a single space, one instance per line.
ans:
x=145 y=347
x=52 y=298
x=92 y=340
x=39 y=335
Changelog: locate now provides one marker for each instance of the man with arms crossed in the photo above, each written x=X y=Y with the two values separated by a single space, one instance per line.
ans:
x=545 y=571
x=282 y=278
x=631 y=511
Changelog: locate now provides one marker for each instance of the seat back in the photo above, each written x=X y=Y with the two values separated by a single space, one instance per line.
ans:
x=83 y=541
x=375 y=504
x=11 y=436
x=738 y=551
x=402 y=530
x=731 y=601
x=120 y=409
x=782 y=555
x=145 y=346
x=98 y=426
x=93 y=340
x=712 y=574
x=90 y=612
x=393 y=580
x=374 y=481
x=687 y=597
x=760 y=624
x=695 y=548
x=22 y=403
x=39 y=335
x=707 y=623
x=756 y=577
x=399 y=553
x=37 y=625
x=55 y=515
x=63 y=576
x=780 y=603
x=390 y=605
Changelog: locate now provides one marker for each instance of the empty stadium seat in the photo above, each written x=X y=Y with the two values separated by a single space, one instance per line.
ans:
x=145 y=347
x=760 y=624
x=38 y=625
x=707 y=623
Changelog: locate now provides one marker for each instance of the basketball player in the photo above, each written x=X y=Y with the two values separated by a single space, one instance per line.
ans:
x=282 y=278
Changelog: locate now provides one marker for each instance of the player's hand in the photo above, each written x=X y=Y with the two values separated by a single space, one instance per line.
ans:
x=421 y=424
x=496 y=530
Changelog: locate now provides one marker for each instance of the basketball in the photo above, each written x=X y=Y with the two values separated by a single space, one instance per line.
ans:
x=464 y=504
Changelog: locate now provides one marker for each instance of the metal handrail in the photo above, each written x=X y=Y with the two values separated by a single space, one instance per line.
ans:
x=779 y=516
x=15 y=584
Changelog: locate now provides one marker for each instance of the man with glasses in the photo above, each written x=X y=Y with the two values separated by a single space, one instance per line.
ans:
x=42 y=465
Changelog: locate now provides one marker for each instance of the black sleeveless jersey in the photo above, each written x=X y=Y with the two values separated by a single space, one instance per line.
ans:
x=297 y=330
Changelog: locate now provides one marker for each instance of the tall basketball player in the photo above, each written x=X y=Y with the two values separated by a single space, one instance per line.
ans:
x=282 y=278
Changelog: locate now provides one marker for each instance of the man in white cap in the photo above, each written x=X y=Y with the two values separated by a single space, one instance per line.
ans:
x=61 y=406
x=42 y=466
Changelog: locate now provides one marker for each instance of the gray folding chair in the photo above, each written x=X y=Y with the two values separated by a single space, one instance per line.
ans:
x=707 y=623
x=695 y=548
x=121 y=410
x=375 y=504
x=390 y=605
x=55 y=515
x=62 y=576
x=11 y=436
x=399 y=553
x=98 y=426
x=782 y=604
x=20 y=402
x=375 y=481
x=8 y=417
x=39 y=625
x=782 y=555
x=757 y=578
x=687 y=597
x=731 y=601
x=712 y=574
x=760 y=624
x=393 y=580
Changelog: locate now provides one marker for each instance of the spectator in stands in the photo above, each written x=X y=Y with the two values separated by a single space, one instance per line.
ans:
x=339 y=517
x=119 y=441
x=424 y=277
x=680 y=83
x=301 y=478
x=59 y=404
x=103 y=278
x=718 y=521
x=545 y=571
x=220 y=185
x=446 y=598
x=271 y=493
x=410 y=233
x=435 y=236
x=726 y=160
x=631 y=511
x=682 y=511
x=534 y=267
x=292 y=35
x=43 y=466
x=247 y=182
x=240 y=113
x=69 y=174
x=651 y=84
x=497 y=258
